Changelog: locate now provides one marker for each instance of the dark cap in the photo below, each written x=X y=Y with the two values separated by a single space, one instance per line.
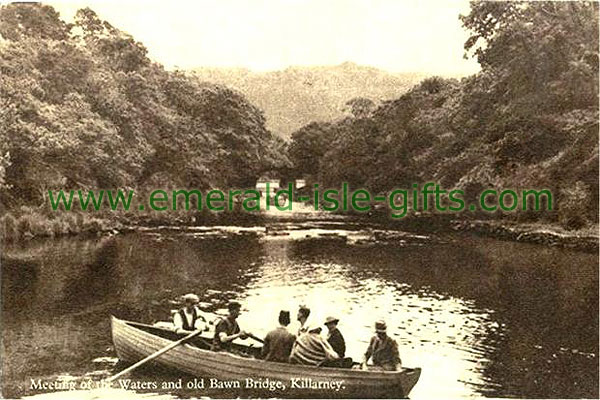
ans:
x=284 y=314
x=234 y=305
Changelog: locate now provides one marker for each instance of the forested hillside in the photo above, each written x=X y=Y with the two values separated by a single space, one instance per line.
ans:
x=529 y=119
x=297 y=96
x=82 y=106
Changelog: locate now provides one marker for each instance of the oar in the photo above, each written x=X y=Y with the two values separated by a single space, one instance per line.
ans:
x=255 y=338
x=154 y=355
x=247 y=334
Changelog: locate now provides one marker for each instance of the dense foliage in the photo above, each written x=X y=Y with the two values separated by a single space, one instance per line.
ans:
x=82 y=106
x=529 y=119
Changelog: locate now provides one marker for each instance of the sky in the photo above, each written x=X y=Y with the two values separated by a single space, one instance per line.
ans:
x=264 y=35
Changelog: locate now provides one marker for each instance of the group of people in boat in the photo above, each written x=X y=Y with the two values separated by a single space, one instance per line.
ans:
x=307 y=346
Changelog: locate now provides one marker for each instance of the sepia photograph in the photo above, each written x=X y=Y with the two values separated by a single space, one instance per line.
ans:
x=260 y=199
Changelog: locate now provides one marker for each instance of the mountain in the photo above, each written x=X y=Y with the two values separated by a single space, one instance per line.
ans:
x=296 y=96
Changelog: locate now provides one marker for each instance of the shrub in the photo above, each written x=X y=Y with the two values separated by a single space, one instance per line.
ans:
x=93 y=225
x=59 y=227
x=572 y=206
x=8 y=228
x=79 y=219
x=24 y=226
x=40 y=226
x=71 y=223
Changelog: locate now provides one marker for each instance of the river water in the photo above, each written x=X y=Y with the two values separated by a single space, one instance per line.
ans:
x=481 y=317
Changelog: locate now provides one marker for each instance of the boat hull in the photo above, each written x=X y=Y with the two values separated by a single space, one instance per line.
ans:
x=135 y=341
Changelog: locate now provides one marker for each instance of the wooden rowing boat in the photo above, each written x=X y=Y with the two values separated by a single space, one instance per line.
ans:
x=134 y=341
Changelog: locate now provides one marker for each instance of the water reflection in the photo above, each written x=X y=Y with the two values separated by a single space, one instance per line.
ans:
x=438 y=332
x=481 y=317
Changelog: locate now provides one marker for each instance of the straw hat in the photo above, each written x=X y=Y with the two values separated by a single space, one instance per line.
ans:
x=191 y=297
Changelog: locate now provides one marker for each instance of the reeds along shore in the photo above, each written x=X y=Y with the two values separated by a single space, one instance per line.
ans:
x=34 y=224
x=26 y=222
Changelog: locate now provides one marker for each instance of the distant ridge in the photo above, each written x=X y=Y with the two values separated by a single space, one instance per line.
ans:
x=296 y=96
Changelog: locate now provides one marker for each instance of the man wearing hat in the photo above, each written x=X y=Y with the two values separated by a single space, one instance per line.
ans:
x=383 y=349
x=227 y=329
x=278 y=343
x=312 y=349
x=334 y=336
x=189 y=318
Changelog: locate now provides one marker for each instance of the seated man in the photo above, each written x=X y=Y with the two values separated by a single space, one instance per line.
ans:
x=383 y=349
x=312 y=349
x=227 y=329
x=189 y=318
x=334 y=336
x=278 y=343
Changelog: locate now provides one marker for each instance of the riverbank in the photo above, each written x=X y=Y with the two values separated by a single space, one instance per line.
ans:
x=585 y=239
x=34 y=224
x=28 y=223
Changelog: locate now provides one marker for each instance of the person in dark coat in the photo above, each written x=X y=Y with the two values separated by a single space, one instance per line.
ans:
x=337 y=342
x=227 y=329
x=334 y=336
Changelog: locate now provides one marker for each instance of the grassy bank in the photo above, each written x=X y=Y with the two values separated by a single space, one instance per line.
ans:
x=26 y=223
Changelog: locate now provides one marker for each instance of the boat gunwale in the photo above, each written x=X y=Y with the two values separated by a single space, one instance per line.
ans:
x=255 y=363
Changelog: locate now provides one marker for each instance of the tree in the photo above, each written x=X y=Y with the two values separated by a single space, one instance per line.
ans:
x=308 y=145
x=81 y=106
x=33 y=20
x=543 y=54
x=360 y=107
